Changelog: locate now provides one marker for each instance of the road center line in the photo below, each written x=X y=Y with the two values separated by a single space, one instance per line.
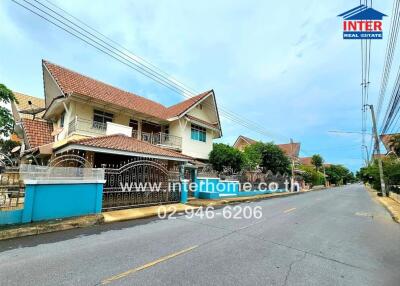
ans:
x=150 y=264
x=289 y=210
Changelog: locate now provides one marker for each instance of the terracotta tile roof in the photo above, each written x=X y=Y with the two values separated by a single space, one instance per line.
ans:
x=290 y=149
x=129 y=144
x=306 y=161
x=38 y=132
x=385 y=138
x=377 y=156
x=249 y=140
x=201 y=121
x=23 y=104
x=72 y=82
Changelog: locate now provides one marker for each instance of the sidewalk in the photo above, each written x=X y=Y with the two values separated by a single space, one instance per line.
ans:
x=137 y=213
x=13 y=231
x=221 y=202
x=390 y=203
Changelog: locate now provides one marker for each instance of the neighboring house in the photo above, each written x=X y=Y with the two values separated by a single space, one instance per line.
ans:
x=291 y=150
x=242 y=142
x=306 y=161
x=109 y=124
x=385 y=138
x=31 y=129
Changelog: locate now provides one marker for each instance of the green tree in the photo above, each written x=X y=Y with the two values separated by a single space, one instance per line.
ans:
x=274 y=159
x=6 y=119
x=6 y=146
x=224 y=155
x=317 y=161
x=312 y=176
x=394 y=144
x=338 y=174
x=253 y=155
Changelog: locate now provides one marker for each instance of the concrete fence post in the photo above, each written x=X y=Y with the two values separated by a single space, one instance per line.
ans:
x=184 y=191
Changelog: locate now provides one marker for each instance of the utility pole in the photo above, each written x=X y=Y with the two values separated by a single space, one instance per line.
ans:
x=377 y=148
x=367 y=159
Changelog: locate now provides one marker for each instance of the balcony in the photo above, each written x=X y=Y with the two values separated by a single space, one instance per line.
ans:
x=160 y=139
x=87 y=127
x=93 y=128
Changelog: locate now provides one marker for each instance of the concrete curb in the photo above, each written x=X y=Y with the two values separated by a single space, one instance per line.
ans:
x=391 y=205
x=145 y=212
x=49 y=226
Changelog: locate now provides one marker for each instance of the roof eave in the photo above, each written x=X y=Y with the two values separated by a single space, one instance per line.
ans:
x=82 y=147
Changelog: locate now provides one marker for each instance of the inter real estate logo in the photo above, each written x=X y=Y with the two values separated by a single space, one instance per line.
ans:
x=361 y=23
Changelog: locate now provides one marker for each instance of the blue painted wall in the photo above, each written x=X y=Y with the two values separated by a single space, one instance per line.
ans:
x=67 y=200
x=212 y=188
x=215 y=185
x=53 y=201
x=11 y=217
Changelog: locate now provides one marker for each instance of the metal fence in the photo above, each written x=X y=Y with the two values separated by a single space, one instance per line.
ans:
x=12 y=190
x=255 y=178
x=139 y=183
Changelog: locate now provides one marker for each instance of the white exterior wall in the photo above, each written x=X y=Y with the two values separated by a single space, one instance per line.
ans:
x=190 y=147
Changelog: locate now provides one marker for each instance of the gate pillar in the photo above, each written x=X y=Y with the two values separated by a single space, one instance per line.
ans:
x=184 y=191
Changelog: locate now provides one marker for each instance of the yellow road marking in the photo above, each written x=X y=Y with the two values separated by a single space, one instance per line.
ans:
x=289 y=210
x=150 y=264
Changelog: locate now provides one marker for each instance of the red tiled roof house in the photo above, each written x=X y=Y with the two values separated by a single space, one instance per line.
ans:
x=84 y=114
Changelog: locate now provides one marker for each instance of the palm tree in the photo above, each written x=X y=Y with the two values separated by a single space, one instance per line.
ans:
x=317 y=161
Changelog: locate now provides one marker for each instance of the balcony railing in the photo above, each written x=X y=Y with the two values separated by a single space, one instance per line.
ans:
x=163 y=139
x=93 y=128
x=88 y=127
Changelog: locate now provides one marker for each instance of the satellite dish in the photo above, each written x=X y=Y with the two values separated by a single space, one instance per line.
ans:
x=32 y=111
x=16 y=149
x=57 y=131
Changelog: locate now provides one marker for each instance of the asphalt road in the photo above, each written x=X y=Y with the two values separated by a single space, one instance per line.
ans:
x=335 y=237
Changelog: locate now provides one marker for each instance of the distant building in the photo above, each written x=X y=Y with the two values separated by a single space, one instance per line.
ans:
x=291 y=150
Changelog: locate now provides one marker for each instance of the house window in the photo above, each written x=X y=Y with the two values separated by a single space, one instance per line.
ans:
x=100 y=119
x=62 y=119
x=200 y=106
x=198 y=133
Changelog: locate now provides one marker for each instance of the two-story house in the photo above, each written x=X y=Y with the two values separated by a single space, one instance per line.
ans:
x=109 y=124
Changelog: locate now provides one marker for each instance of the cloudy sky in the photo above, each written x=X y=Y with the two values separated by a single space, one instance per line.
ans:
x=282 y=64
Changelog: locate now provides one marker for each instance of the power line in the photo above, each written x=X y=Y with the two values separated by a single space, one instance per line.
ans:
x=389 y=54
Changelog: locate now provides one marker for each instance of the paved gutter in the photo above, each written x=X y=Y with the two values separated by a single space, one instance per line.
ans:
x=391 y=205
x=13 y=231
